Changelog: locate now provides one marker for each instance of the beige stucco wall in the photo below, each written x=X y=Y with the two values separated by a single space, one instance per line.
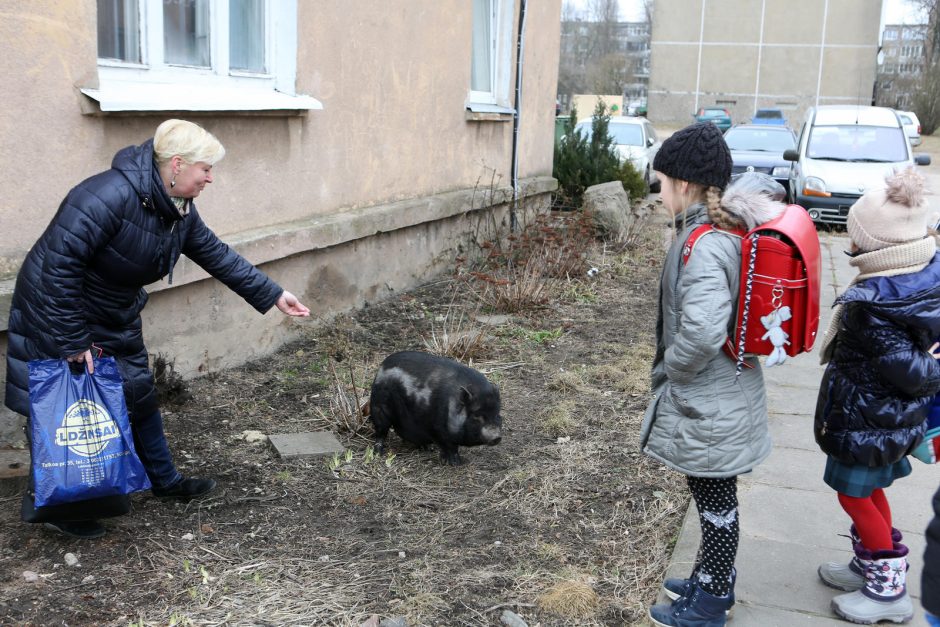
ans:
x=393 y=80
x=786 y=50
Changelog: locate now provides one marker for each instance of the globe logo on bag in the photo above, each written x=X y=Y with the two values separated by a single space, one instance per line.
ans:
x=86 y=428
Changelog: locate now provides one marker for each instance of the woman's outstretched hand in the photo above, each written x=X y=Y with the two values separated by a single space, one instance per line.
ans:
x=84 y=357
x=289 y=304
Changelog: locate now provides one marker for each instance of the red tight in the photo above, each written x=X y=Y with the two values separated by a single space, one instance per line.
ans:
x=872 y=518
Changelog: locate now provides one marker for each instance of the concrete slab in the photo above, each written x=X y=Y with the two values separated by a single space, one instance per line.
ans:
x=14 y=471
x=768 y=514
x=748 y=615
x=791 y=468
x=791 y=431
x=307 y=444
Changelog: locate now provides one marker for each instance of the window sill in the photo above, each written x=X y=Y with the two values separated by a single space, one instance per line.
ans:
x=479 y=112
x=115 y=97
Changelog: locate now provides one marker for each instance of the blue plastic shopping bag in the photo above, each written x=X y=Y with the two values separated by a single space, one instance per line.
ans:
x=80 y=435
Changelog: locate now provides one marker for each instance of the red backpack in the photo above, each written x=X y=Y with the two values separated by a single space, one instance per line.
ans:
x=780 y=278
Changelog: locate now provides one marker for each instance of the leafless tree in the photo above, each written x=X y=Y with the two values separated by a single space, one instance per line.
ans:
x=592 y=58
x=927 y=92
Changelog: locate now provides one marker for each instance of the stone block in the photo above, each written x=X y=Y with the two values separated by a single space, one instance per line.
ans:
x=307 y=444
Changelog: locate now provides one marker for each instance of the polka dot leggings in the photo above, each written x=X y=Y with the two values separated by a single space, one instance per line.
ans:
x=717 y=502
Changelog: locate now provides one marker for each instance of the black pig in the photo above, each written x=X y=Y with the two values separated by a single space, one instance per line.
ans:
x=433 y=399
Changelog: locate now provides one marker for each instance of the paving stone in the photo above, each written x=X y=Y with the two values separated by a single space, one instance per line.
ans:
x=307 y=444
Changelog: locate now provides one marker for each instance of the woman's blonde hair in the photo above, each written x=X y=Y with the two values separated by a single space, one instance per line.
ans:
x=190 y=141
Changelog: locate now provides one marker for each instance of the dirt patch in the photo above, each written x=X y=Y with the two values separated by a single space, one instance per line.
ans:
x=565 y=522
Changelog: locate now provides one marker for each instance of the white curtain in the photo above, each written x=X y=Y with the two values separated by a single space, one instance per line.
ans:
x=119 y=30
x=186 y=32
x=246 y=35
x=481 y=68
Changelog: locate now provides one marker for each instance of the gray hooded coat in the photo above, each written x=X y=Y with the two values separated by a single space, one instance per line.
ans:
x=703 y=421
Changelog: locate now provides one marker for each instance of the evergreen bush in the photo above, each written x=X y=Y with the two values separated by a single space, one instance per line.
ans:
x=582 y=161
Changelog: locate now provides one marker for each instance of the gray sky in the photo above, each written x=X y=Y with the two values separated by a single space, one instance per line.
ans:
x=896 y=11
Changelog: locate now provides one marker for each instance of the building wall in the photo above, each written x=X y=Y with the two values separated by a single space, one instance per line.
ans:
x=747 y=54
x=364 y=198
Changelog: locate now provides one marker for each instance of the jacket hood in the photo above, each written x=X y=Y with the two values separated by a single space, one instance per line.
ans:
x=138 y=166
x=910 y=300
x=751 y=209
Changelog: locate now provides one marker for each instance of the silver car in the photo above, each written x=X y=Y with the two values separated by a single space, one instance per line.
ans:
x=911 y=126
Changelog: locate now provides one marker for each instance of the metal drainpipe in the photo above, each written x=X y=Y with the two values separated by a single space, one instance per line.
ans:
x=520 y=47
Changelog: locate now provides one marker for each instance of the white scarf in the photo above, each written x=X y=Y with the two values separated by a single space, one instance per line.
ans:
x=891 y=261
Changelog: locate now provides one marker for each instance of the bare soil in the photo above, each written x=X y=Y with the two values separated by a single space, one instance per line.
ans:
x=565 y=522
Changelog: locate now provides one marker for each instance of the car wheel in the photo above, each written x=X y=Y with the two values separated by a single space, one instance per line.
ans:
x=650 y=186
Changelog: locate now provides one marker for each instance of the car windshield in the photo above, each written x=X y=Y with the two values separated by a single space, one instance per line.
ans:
x=713 y=113
x=769 y=114
x=623 y=134
x=905 y=119
x=878 y=144
x=759 y=140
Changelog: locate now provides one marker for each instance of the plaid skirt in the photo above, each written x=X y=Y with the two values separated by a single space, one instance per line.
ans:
x=860 y=481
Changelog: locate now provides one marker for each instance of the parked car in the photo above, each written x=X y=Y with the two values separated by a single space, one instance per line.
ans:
x=719 y=116
x=911 y=126
x=773 y=117
x=760 y=148
x=637 y=107
x=636 y=140
x=843 y=150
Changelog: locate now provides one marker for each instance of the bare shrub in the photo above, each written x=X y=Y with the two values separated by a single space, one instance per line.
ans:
x=346 y=404
x=520 y=275
x=458 y=337
x=171 y=388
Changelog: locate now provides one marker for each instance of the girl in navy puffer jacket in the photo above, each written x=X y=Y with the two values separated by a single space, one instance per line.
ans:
x=882 y=375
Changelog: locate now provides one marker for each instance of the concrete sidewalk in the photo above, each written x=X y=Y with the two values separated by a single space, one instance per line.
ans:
x=791 y=520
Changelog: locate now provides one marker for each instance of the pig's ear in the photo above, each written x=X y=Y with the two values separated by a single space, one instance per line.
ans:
x=465 y=396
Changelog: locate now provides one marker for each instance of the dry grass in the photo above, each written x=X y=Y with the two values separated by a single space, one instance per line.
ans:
x=557 y=421
x=567 y=381
x=629 y=374
x=574 y=599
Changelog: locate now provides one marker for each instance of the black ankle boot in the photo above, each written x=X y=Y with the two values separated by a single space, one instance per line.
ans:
x=186 y=489
x=83 y=529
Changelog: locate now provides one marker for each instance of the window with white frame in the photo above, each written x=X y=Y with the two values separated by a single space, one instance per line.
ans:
x=197 y=55
x=491 y=55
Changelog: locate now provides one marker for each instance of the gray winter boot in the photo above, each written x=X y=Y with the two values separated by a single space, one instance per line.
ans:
x=851 y=576
x=884 y=596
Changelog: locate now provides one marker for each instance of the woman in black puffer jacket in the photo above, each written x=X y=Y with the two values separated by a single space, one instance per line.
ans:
x=874 y=397
x=80 y=287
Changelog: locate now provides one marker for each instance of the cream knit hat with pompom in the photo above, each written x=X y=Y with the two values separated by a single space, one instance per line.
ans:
x=895 y=214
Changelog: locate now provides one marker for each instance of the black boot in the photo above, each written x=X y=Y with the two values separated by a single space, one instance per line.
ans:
x=185 y=489
x=83 y=529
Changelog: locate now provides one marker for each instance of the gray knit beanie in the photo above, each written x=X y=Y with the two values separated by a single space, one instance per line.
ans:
x=697 y=154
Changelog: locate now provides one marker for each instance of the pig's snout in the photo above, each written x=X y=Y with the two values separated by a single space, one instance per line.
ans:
x=491 y=435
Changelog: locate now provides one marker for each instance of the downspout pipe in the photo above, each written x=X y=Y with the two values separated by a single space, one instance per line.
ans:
x=516 y=118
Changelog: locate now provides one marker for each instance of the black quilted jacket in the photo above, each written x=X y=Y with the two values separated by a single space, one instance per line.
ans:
x=880 y=383
x=930 y=587
x=82 y=282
